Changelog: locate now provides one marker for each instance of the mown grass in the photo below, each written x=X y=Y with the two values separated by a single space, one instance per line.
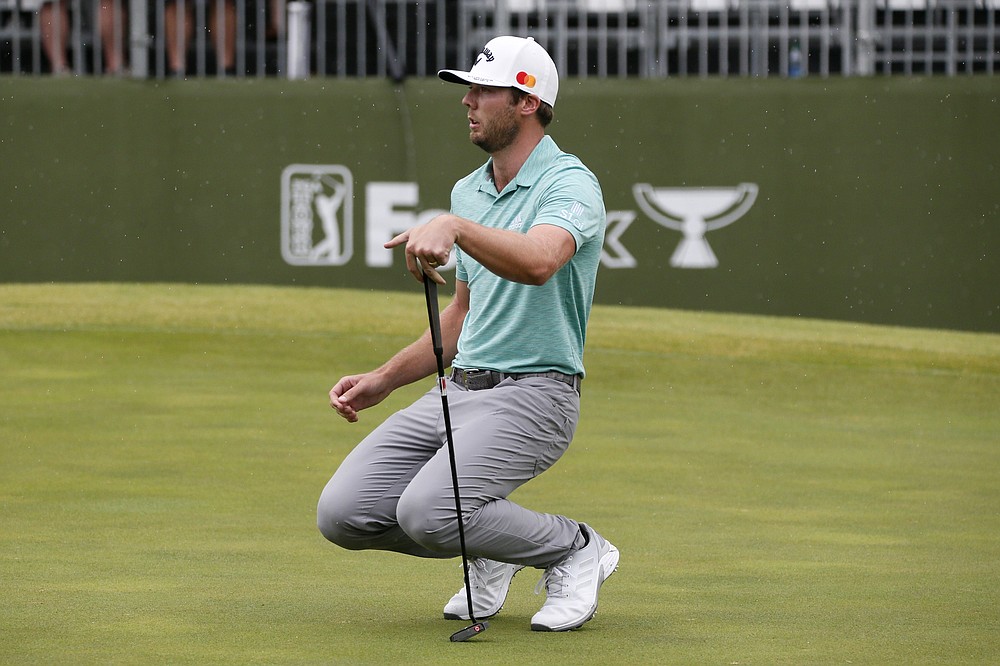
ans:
x=782 y=491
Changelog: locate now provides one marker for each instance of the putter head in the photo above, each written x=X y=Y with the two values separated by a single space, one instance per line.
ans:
x=472 y=630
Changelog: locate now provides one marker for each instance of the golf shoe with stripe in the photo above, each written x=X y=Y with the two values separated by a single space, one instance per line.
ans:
x=490 y=581
x=572 y=584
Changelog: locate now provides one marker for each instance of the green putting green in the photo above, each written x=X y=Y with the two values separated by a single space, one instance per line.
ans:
x=782 y=491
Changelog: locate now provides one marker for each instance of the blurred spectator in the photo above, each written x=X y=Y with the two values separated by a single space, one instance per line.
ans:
x=225 y=34
x=113 y=26
x=276 y=26
x=113 y=20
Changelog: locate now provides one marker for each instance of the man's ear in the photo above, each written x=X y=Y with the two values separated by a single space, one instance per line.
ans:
x=530 y=104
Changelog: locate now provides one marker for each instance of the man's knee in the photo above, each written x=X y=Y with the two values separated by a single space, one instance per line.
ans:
x=338 y=521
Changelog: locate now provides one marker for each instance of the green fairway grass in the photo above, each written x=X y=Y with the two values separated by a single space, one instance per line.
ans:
x=782 y=491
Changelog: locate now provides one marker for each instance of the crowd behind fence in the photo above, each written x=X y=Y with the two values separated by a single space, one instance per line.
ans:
x=587 y=38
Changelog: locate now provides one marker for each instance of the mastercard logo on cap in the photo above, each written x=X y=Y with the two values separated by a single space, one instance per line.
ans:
x=526 y=79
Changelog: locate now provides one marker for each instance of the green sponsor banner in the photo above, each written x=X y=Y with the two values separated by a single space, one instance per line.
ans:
x=871 y=200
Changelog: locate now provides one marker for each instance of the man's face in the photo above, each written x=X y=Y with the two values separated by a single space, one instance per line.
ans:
x=493 y=119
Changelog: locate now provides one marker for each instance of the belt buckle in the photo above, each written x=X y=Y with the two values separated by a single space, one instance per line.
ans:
x=476 y=380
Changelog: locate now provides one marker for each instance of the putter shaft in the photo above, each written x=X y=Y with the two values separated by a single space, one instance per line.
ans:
x=434 y=316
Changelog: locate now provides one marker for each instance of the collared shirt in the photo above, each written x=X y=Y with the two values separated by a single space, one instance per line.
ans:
x=513 y=327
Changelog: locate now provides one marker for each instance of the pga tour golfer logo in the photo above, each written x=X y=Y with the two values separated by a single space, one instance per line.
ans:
x=317 y=219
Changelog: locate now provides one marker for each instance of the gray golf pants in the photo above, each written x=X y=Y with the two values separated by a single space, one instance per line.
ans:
x=394 y=490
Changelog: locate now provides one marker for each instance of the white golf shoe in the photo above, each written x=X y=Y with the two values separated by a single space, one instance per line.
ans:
x=571 y=585
x=490 y=581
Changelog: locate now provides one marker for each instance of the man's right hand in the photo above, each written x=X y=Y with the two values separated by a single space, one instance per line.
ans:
x=356 y=392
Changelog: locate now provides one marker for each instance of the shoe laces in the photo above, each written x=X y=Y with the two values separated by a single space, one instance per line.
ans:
x=555 y=580
x=479 y=570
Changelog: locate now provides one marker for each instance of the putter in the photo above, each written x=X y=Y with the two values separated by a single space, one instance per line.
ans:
x=430 y=292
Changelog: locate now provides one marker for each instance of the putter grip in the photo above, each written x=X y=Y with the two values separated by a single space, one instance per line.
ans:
x=433 y=314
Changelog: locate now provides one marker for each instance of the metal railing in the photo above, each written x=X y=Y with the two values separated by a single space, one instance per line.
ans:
x=602 y=38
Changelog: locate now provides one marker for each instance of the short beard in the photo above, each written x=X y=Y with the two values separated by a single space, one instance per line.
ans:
x=501 y=133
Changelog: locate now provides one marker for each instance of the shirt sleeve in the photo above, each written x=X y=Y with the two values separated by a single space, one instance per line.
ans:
x=461 y=273
x=573 y=202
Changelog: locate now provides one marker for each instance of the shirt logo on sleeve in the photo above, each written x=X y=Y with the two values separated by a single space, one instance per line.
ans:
x=573 y=213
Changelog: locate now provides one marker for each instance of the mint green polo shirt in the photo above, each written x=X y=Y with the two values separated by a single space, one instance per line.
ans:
x=513 y=327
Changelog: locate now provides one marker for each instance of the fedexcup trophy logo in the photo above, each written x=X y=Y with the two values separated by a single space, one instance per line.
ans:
x=317 y=218
x=694 y=211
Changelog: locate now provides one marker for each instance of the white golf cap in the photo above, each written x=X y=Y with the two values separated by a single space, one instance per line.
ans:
x=512 y=62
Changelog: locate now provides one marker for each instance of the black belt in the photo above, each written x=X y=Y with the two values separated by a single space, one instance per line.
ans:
x=476 y=380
